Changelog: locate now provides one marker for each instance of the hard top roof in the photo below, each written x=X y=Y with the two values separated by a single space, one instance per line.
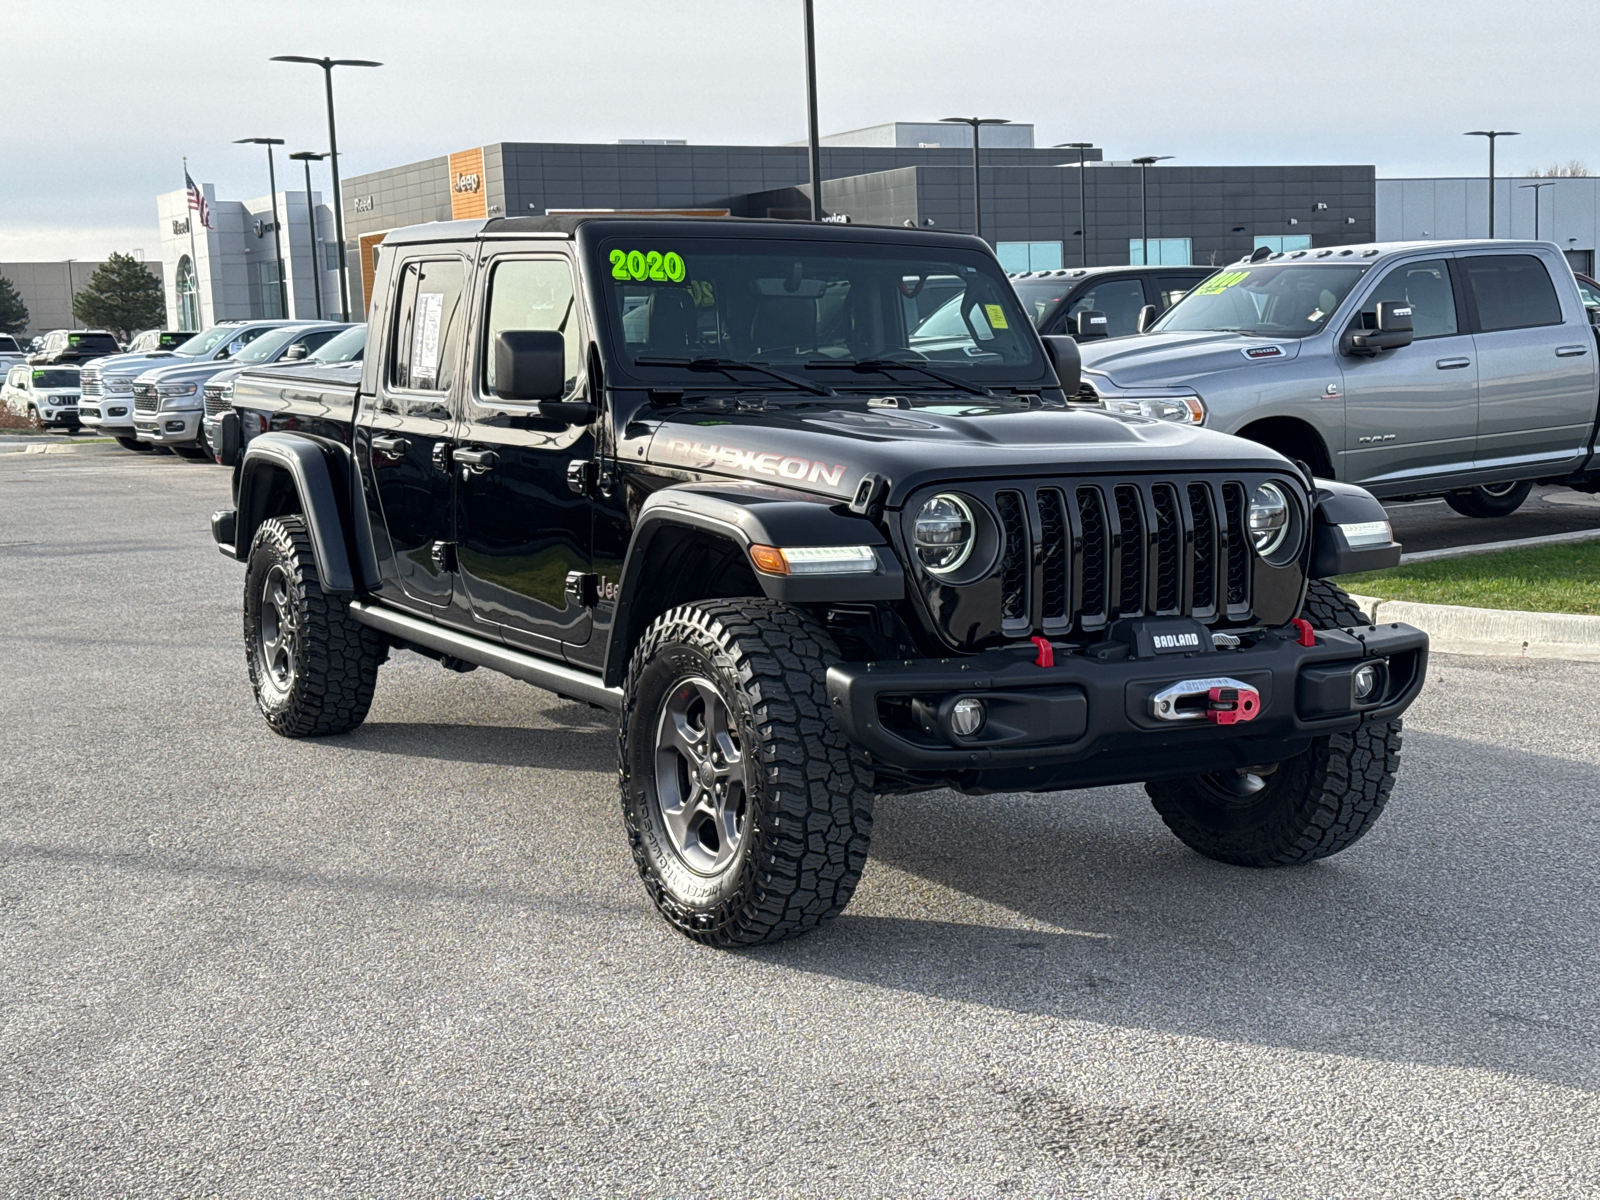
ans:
x=566 y=227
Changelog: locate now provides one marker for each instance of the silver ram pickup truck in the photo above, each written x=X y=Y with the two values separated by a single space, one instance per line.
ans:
x=1464 y=369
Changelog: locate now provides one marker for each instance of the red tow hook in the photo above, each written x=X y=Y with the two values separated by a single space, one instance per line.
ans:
x=1230 y=706
x=1047 y=654
x=1308 y=635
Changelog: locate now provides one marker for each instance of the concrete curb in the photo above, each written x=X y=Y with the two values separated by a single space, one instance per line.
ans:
x=1456 y=629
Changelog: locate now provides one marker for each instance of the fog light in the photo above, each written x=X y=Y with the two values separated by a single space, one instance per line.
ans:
x=174 y=426
x=1366 y=681
x=966 y=718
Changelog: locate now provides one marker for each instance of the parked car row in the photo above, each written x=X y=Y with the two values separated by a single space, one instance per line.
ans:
x=162 y=397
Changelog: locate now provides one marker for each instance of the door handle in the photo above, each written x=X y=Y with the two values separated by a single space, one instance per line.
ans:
x=1570 y=351
x=1450 y=364
x=396 y=446
x=476 y=462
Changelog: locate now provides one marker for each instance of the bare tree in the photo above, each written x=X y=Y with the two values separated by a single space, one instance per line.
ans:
x=1575 y=168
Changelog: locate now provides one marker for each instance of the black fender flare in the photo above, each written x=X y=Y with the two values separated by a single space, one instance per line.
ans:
x=746 y=515
x=1336 y=506
x=327 y=483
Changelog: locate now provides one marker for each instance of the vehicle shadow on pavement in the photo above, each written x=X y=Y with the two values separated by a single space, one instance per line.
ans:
x=578 y=748
x=1465 y=930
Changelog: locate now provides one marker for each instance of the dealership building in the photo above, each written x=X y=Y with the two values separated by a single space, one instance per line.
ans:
x=1043 y=206
x=1040 y=209
x=230 y=271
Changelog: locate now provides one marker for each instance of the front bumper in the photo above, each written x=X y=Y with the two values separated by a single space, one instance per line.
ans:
x=107 y=412
x=1089 y=720
x=171 y=428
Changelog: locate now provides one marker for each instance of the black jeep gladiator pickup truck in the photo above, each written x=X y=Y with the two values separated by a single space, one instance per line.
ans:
x=707 y=474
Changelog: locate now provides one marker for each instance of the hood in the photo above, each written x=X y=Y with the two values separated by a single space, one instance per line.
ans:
x=133 y=363
x=1156 y=359
x=181 y=370
x=830 y=450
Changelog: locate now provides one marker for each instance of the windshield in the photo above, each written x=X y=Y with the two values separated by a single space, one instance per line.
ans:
x=267 y=347
x=55 y=379
x=1274 y=300
x=346 y=347
x=204 y=343
x=9 y=344
x=811 y=308
x=1041 y=297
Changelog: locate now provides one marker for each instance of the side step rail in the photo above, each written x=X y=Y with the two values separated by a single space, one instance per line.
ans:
x=542 y=673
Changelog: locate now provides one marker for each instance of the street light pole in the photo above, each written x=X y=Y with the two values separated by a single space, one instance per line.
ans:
x=813 y=140
x=1522 y=187
x=977 y=180
x=327 y=65
x=307 y=157
x=1491 y=134
x=1083 y=210
x=1144 y=208
x=277 y=225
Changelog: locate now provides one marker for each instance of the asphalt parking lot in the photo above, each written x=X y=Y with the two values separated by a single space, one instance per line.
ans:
x=414 y=961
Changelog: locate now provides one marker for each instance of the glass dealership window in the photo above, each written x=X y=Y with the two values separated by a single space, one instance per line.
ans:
x=1164 y=252
x=1017 y=257
x=1296 y=241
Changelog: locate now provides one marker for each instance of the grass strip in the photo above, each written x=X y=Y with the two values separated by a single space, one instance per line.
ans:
x=1558 y=578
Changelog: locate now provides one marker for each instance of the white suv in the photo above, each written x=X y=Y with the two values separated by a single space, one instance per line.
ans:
x=48 y=393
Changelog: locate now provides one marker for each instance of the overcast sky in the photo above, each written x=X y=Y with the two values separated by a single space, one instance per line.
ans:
x=102 y=98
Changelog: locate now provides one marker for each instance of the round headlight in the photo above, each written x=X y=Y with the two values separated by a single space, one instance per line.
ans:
x=1268 y=518
x=943 y=534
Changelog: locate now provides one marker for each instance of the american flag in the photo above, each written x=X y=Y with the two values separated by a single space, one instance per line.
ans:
x=197 y=202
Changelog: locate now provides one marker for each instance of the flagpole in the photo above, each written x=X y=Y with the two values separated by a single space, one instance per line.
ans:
x=194 y=256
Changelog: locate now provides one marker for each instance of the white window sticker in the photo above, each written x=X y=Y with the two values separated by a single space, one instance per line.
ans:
x=425 y=340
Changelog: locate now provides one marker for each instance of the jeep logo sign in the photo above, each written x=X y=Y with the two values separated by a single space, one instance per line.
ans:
x=468 y=197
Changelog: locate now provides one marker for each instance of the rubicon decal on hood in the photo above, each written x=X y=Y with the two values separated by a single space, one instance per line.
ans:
x=751 y=462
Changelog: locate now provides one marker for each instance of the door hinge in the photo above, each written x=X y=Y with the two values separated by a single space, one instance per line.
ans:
x=583 y=589
x=443 y=555
x=580 y=475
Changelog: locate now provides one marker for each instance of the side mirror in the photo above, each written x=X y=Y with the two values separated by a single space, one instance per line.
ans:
x=1091 y=324
x=1068 y=363
x=1393 y=330
x=530 y=364
x=1147 y=317
x=295 y=352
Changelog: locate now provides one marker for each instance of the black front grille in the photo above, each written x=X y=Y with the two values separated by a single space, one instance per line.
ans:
x=218 y=401
x=1238 y=545
x=1014 y=559
x=145 y=398
x=1076 y=555
x=1131 y=543
x=1055 y=536
x=1096 y=557
x=1169 y=549
x=1203 y=597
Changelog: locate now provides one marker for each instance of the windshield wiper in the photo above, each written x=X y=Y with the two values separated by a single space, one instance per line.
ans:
x=728 y=365
x=883 y=366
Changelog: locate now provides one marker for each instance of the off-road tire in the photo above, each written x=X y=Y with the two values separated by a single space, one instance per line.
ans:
x=133 y=443
x=333 y=659
x=1315 y=804
x=809 y=803
x=1499 y=501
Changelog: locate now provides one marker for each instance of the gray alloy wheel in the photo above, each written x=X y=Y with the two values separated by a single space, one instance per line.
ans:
x=276 y=627
x=702 y=776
